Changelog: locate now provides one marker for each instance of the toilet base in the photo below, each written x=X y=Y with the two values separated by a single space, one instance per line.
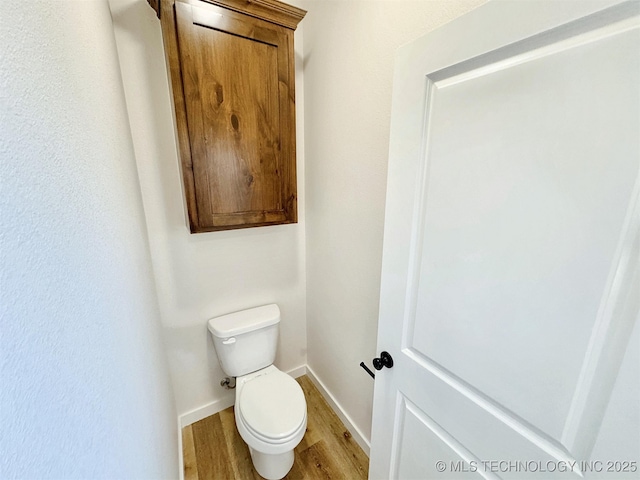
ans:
x=272 y=467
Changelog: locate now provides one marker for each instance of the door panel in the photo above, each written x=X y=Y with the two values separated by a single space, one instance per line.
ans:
x=510 y=268
x=230 y=80
x=423 y=443
x=478 y=423
x=523 y=225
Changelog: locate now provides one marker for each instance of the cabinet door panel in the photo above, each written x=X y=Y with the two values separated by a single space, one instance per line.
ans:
x=237 y=83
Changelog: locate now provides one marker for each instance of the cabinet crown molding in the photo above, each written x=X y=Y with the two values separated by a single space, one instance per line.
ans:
x=272 y=11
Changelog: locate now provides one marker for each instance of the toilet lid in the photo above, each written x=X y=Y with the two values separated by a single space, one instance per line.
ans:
x=273 y=405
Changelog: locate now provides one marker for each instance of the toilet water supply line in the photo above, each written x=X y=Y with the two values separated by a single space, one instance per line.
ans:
x=228 y=382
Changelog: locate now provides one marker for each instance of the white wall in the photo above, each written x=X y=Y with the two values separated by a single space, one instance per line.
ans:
x=349 y=48
x=208 y=274
x=85 y=389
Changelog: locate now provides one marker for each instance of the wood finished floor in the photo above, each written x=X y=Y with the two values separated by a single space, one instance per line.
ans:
x=213 y=449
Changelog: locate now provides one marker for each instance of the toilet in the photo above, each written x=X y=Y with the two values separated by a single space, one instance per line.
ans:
x=270 y=408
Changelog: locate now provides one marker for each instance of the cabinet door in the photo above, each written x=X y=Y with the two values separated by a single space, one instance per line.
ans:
x=238 y=85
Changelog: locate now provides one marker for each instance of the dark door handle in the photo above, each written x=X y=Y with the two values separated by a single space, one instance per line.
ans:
x=385 y=360
x=373 y=375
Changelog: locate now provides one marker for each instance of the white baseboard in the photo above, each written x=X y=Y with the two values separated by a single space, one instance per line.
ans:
x=357 y=435
x=216 y=406
x=298 y=372
x=205 y=411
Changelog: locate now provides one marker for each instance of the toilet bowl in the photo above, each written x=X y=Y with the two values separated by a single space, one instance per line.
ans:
x=271 y=417
x=270 y=408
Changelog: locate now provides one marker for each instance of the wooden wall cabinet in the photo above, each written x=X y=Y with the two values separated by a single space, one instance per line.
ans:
x=231 y=66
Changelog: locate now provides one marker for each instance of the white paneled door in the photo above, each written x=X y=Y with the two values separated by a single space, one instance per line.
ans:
x=511 y=267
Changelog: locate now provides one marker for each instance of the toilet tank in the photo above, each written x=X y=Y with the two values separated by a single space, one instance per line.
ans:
x=246 y=341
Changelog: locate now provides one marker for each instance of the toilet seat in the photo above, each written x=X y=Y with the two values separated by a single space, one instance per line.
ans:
x=272 y=407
